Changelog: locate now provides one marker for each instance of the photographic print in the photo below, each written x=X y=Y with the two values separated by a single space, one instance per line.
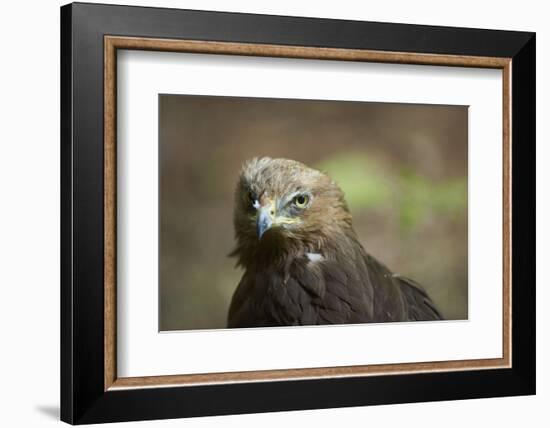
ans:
x=290 y=212
x=232 y=203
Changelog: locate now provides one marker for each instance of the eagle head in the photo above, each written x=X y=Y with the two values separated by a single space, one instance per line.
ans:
x=283 y=207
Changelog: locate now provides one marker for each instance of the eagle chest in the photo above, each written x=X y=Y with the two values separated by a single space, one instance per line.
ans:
x=301 y=295
x=281 y=296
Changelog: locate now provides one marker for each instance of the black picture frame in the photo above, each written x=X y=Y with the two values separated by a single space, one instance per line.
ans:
x=83 y=396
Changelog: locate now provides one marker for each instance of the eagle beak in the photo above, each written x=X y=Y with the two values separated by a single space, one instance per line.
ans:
x=264 y=220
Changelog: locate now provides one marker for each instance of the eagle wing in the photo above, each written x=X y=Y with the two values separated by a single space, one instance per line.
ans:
x=419 y=305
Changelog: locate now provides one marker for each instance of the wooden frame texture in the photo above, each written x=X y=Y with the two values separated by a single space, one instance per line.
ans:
x=203 y=32
x=113 y=43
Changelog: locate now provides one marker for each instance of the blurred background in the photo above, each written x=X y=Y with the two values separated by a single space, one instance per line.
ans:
x=403 y=168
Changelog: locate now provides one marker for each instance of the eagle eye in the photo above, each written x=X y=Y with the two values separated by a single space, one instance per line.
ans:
x=300 y=201
x=252 y=200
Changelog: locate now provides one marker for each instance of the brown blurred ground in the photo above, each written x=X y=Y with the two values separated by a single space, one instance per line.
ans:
x=403 y=168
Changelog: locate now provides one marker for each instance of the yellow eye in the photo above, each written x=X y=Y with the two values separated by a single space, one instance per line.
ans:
x=301 y=201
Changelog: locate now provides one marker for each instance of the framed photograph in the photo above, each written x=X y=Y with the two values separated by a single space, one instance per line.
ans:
x=266 y=213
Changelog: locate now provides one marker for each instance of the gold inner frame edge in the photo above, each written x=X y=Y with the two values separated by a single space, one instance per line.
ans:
x=113 y=43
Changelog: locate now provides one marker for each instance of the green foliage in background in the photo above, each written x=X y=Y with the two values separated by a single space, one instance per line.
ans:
x=369 y=185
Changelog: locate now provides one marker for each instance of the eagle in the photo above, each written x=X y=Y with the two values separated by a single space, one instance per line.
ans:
x=303 y=262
